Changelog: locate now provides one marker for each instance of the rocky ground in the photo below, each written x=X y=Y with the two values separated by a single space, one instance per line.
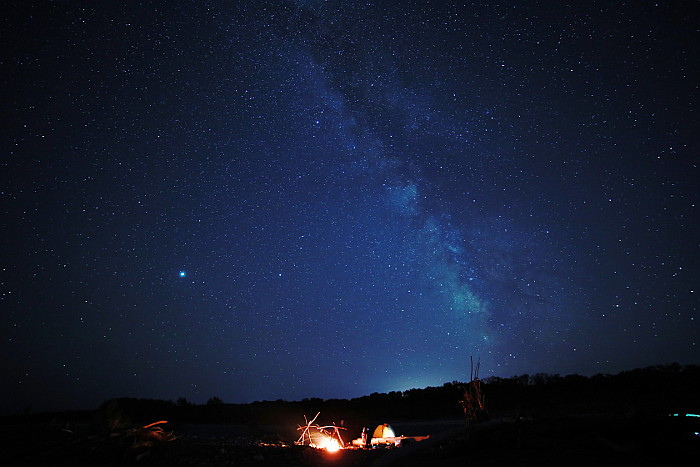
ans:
x=571 y=441
x=590 y=440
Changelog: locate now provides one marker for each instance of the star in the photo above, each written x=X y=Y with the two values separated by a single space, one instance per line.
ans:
x=390 y=182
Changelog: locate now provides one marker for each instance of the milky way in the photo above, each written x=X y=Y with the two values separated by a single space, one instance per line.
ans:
x=326 y=199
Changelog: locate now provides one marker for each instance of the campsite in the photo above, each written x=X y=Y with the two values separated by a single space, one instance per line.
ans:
x=641 y=417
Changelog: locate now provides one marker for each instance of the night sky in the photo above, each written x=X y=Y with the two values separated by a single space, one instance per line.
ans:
x=257 y=200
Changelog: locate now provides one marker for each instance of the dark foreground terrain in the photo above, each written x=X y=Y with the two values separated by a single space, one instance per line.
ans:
x=583 y=440
x=648 y=416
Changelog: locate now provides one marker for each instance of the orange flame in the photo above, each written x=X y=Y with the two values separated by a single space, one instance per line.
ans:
x=329 y=444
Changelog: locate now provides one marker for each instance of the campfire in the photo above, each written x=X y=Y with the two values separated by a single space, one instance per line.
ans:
x=320 y=437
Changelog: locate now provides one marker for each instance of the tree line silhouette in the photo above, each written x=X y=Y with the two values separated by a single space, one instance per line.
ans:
x=653 y=390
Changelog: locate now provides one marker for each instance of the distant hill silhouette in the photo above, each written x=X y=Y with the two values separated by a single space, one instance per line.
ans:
x=659 y=389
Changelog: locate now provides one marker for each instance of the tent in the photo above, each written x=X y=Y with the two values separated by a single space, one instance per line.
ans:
x=384 y=435
x=383 y=431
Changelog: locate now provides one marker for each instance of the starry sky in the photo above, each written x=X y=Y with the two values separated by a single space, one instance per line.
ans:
x=257 y=200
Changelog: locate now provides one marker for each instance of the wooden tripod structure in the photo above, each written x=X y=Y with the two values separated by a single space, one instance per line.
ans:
x=329 y=431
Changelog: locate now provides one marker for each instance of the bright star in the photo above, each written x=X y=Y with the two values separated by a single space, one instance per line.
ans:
x=183 y=273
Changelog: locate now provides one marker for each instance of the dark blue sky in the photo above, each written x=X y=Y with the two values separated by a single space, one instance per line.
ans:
x=361 y=195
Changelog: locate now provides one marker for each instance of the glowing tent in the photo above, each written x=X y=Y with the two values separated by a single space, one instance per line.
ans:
x=383 y=431
x=384 y=435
